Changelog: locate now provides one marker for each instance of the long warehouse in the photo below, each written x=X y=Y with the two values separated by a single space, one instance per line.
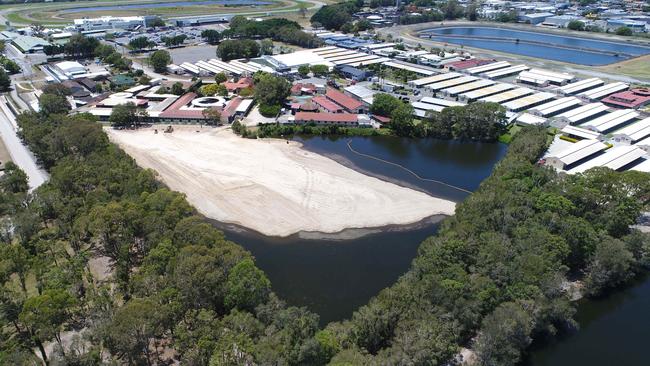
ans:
x=615 y=158
x=521 y=104
x=555 y=78
x=512 y=70
x=432 y=104
x=575 y=153
x=450 y=83
x=611 y=120
x=634 y=132
x=418 y=83
x=486 y=92
x=555 y=107
x=583 y=113
x=478 y=84
x=603 y=91
x=489 y=67
x=579 y=133
x=580 y=86
x=508 y=95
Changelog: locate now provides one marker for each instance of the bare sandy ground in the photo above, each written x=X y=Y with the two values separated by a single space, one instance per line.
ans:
x=271 y=186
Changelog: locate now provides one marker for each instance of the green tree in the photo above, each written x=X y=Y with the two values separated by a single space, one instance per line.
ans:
x=241 y=48
x=211 y=36
x=266 y=47
x=401 y=120
x=45 y=315
x=303 y=70
x=576 y=25
x=320 y=70
x=271 y=89
x=133 y=330
x=159 y=60
x=124 y=115
x=220 y=78
x=624 y=31
x=212 y=116
x=13 y=180
x=140 y=43
x=177 y=88
x=5 y=81
x=610 y=265
x=384 y=104
x=53 y=104
x=246 y=287
x=504 y=334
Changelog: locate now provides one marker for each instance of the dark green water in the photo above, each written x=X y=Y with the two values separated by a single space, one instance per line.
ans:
x=614 y=330
x=334 y=277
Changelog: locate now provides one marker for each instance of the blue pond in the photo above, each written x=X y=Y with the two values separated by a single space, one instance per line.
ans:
x=547 y=46
x=166 y=5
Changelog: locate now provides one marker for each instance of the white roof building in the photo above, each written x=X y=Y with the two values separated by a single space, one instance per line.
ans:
x=70 y=68
x=575 y=153
x=615 y=158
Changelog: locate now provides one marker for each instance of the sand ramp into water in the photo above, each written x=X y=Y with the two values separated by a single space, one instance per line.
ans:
x=271 y=186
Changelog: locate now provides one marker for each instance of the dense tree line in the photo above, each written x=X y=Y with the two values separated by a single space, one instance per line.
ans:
x=232 y=49
x=334 y=16
x=174 y=288
x=475 y=121
x=277 y=29
x=499 y=266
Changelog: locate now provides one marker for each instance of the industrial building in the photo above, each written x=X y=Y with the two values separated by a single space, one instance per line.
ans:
x=633 y=133
x=450 y=83
x=612 y=120
x=615 y=158
x=110 y=22
x=530 y=101
x=580 y=133
x=432 y=104
x=580 y=86
x=574 y=154
x=555 y=107
x=474 y=85
x=486 y=68
x=603 y=91
x=583 y=113
x=418 y=83
x=508 y=71
x=486 y=92
x=508 y=95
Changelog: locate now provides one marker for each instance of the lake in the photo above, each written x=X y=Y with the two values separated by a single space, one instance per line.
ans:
x=571 y=49
x=334 y=277
x=164 y=5
x=614 y=330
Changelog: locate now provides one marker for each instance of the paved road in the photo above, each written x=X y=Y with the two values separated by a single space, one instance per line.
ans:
x=20 y=154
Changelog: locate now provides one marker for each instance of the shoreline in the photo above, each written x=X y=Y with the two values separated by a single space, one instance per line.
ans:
x=275 y=187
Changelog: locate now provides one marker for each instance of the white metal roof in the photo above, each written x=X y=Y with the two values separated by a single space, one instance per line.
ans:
x=614 y=158
x=344 y=55
x=525 y=102
x=452 y=82
x=357 y=59
x=427 y=107
x=636 y=131
x=611 y=120
x=413 y=68
x=324 y=50
x=555 y=106
x=434 y=79
x=580 y=132
x=487 y=67
x=368 y=62
x=189 y=67
x=579 y=151
x=531 y=79
x=583 y=112
x=206 y=66
x=226 y=66
x=604 y=90
x=245 y=66
x=478 y=84
x=442 y=102
x=644 y=166
x=486 y=92
x=580 y=86
x=551 y=76
x=529 y=119
x=505 y=72
x=508 y=95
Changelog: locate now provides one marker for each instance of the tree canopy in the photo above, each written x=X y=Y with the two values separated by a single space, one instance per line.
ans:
x=159 y=60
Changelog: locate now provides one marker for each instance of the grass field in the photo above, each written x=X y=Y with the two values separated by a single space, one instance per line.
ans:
x=637 y=67
x=56 y=14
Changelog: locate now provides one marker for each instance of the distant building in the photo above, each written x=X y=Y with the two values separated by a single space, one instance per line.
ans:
x=535 y=18
x=26 y=44
x=70 y=68
x=350 y=104
x=560 y=21
x=110 y=22
x=338 y=119
x=121 y=81
x=634 y=25
x=353 y=73
x=634 y=98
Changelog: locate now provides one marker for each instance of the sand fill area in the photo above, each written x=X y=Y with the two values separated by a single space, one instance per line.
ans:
x=271 y=186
